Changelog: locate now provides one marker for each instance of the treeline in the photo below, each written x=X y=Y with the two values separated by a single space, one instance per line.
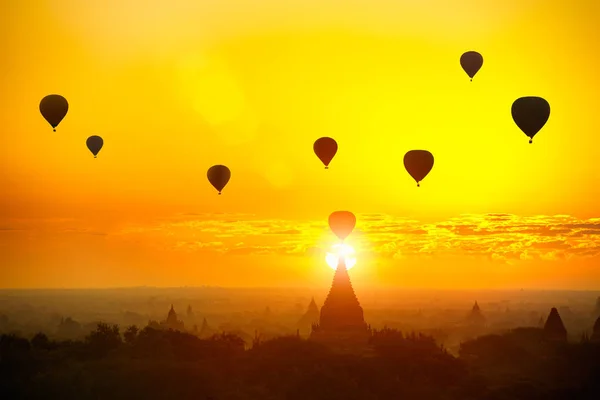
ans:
x=159 y=364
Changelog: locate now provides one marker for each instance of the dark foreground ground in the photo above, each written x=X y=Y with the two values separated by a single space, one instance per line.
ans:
x=153 y=364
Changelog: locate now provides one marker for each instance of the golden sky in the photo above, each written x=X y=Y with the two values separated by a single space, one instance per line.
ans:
x=175 y=87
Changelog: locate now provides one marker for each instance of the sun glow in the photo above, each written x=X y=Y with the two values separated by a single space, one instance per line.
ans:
x=341 y=250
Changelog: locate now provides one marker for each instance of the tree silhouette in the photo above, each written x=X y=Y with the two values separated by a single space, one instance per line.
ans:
x=104 y=339
x=130 y=334
x=41 y=341
x=159 y=364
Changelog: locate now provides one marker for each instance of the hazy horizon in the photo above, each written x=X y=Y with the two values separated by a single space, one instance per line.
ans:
x=308 y=288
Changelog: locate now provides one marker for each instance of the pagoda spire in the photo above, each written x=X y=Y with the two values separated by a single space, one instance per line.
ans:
x=310 y=317
x=341 y=310
x=341 y=322
x=554 y=329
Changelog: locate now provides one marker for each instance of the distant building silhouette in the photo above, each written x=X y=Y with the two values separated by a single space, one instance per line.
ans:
x=190 y=313
x=172 y=322
x=474 y=324
x=476 y=317
x=310 y=317
x=554 y=329
x=206 y=330
x=341 y=322
x=596 y=331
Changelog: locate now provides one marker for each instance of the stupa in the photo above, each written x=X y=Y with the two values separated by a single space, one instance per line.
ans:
x=476 y=317
x=309 y=318
x=172 y=321
x=554 y=329
x=206 y=330
x=341 y=322
x=190 y=313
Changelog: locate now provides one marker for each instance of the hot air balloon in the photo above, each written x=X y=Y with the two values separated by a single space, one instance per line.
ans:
x=54 y=107
x=418 y=163
x=325 y=148
x=530 y=114
x=94 y=143
x=471 y=62
x=218 y=176
x=342 y=223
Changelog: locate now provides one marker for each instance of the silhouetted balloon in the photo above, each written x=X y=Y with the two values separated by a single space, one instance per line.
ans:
x=218 y=176
x=94 y=143
x=418 y=163
x=325 y=148
x=530 y=114
x=471 y=62
x=342 y=223
x=54 y=107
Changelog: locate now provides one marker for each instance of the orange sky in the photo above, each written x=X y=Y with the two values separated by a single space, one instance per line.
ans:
x=175 y=87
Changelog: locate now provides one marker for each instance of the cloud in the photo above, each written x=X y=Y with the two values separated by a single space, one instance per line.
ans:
x=84 y=231
x=9 y=229
x=500 y=237
x=50 y=226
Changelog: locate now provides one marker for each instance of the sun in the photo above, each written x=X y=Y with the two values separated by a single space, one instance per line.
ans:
x=338 y=250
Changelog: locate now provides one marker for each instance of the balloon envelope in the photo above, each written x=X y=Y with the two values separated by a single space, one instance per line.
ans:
x=94 y=144
x=418 y=163
x=530 y=114
x=325 y=148
x=218 y=176
x=342 y=223
x=54 y=107
x=471 y=62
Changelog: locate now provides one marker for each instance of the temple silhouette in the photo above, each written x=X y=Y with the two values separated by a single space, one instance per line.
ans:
x=341 y=322
x=206 y=330
x=309 y=318
x=554 y=329
x=476 y=317
x=171 y=322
